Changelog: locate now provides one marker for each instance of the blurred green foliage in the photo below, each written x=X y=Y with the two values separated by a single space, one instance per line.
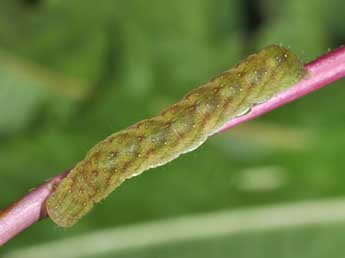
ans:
x=73 y=72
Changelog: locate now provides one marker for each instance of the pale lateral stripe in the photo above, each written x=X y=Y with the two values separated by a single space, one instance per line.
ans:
x=190 y=227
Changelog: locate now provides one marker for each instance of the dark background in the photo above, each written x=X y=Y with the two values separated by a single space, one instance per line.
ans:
x=73 y=72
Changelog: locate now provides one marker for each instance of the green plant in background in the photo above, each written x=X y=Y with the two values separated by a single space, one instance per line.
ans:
x=148 y=54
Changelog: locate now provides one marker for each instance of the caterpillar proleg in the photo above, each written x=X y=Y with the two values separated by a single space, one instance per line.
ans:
x=178 y=129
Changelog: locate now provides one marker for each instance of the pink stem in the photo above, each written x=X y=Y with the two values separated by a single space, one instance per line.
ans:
x=31 y=208
x=27 y=210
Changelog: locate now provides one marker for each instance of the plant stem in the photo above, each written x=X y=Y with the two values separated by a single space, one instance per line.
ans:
x=321 y=72
x=27 y=210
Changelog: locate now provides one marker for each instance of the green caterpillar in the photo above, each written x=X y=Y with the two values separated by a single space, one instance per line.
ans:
x=178 y=129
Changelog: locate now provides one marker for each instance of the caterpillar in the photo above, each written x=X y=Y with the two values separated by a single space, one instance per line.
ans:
x=178 y=129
